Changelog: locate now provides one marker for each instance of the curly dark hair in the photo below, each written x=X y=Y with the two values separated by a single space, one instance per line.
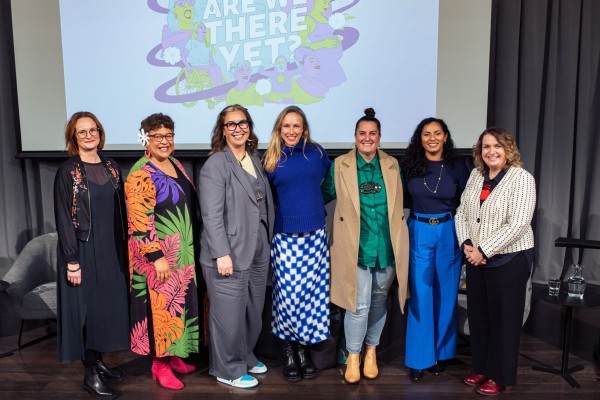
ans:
x=414 y=163
x=156 y=121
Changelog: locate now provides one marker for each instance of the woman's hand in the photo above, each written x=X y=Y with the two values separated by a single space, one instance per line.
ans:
x=163 y=272
x=225 y=265
x=474 y=256
x=74 y=274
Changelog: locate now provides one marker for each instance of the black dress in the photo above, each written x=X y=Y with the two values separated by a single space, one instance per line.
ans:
x=95 y=314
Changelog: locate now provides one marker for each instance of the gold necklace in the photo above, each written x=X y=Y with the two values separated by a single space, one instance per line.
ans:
x=434 y=191
x=242 y=159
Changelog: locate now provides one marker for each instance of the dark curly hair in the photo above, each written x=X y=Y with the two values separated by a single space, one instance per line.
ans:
x=414 y=163
x=156 y=121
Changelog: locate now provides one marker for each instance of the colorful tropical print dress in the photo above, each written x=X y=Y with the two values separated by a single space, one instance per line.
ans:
x=163 y=216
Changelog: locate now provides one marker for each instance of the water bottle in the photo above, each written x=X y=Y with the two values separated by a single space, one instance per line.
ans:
x=576 y=283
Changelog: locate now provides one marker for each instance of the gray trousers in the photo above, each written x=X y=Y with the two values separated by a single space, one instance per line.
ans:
x=235 y=318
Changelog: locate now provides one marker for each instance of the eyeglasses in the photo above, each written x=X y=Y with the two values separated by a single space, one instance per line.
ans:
x=231 y=126
x=158 y=137
x=83 y=134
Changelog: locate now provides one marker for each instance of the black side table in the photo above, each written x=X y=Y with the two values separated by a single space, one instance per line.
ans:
x=589 y=300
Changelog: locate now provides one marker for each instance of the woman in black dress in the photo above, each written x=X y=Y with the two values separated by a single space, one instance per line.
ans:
x=92 y=278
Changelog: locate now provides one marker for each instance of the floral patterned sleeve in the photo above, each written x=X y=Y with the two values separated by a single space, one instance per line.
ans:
x=63 y=202
x=141 y=200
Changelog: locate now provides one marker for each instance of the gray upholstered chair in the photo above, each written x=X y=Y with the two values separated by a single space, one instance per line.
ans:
x=32 y=283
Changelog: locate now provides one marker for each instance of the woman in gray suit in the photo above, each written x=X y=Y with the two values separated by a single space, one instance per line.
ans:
x=237 y=213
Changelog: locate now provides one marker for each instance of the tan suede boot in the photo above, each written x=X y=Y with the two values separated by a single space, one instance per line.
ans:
x=353 y=368
x=370 y=365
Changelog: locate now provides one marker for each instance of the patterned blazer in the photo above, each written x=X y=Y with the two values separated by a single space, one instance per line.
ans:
x=502 y=223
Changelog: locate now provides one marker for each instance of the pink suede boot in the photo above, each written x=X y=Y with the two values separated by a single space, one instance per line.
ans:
x=161 y=371
x=178 y=365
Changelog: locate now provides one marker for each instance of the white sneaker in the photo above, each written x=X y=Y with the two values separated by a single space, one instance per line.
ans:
x=243 y=382
x=258 y=369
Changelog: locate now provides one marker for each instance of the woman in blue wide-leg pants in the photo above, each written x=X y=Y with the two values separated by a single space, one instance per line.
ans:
x=434 y=179
x=434 y=272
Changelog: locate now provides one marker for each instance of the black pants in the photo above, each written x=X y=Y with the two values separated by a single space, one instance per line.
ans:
x=495 y=305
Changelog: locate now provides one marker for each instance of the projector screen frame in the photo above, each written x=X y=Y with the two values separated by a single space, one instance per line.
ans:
x=443 y=90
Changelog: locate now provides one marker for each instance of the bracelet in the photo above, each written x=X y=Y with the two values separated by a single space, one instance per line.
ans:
x=74 y=270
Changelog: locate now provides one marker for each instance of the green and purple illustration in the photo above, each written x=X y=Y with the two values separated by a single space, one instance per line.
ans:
x=251 y=52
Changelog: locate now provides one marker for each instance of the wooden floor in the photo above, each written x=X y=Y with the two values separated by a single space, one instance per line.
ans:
x=34 y=373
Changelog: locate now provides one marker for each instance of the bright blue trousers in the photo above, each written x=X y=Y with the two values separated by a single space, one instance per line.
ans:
x=434 y=272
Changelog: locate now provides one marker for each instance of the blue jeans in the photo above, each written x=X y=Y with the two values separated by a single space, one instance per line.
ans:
x=372 y=289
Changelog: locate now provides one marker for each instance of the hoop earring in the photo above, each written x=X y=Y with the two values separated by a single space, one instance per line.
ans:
x=147 y=154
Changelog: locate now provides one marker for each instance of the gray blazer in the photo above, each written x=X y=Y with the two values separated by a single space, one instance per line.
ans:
x=230 y=213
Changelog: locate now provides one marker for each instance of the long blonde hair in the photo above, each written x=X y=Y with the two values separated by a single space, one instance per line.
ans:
x=274 y=151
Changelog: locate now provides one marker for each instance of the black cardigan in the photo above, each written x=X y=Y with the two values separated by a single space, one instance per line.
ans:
x=72 y=204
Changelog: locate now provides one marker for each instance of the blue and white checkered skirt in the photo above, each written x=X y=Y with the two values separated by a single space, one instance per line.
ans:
x=300 y=286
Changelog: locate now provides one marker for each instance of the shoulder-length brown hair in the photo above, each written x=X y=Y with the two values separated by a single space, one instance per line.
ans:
x=218 y=141
x=274 y=151
x=513 y=157
x=70 y=134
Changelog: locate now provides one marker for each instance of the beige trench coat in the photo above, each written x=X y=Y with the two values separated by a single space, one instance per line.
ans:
x=346 y=229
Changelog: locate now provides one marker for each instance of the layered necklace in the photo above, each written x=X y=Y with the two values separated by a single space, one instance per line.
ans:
x=434 y=191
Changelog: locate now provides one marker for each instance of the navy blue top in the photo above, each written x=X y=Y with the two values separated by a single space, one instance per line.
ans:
x=452 y=182
x=296 y=186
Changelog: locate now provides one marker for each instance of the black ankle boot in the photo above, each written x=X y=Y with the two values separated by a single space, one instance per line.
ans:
x=291 y=371
x=307 y=368
x=109 y=373
x=94 y=384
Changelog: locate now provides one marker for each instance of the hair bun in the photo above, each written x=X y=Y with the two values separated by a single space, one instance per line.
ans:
x=369 y=112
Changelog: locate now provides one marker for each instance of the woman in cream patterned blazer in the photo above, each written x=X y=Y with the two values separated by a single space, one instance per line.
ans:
x=493 y=226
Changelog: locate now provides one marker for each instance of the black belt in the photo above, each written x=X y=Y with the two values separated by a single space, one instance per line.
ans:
x=431 y=221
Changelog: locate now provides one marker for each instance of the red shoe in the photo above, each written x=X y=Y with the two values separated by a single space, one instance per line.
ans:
x=474 y=379
x=161 y=371
x=178 y=365
x=490 y=388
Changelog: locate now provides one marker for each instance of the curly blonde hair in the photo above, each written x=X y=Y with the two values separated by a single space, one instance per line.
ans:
x=513 y=157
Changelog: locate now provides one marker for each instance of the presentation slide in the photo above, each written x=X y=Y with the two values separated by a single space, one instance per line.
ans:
x=124 y=60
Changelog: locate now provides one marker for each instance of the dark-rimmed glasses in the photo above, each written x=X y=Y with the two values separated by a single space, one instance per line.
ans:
x=231 y=126
x=158 y=137
x=93 y=132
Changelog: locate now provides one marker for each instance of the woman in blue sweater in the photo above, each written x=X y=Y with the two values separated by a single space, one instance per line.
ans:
x=296 y=166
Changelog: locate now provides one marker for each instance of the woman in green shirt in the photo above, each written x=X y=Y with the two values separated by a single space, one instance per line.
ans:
x=368 y=250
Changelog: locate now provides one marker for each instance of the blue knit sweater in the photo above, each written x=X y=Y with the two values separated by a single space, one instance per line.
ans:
x=296 y=185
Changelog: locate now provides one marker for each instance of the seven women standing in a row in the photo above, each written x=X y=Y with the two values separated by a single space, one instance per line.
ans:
x=241 y=216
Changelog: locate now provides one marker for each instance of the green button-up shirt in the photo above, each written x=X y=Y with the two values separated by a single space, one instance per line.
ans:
x=374 y=226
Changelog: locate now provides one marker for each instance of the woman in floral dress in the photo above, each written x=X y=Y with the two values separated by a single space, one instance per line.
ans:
x=163 y=250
